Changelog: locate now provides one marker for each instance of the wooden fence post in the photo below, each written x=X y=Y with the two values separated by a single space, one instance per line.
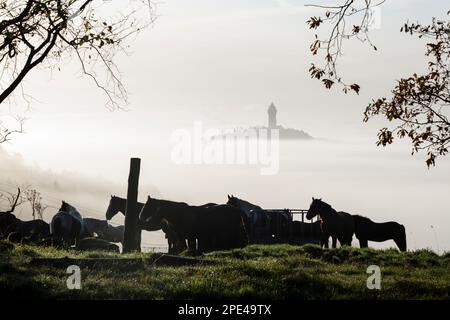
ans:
x=132 y=233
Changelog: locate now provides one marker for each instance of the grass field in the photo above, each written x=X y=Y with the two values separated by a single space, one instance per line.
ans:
x=257 y=271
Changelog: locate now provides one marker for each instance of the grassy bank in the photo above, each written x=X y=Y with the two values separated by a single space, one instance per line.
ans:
x=269 y=272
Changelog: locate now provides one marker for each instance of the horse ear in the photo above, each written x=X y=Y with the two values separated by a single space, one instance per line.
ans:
x=320 y=199
x=312 y=198
x=228 y=197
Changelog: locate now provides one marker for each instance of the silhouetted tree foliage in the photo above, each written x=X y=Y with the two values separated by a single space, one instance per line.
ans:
x=419 y=105
x=336 y=18
x=35 y=199
x=13 y=200
x=44 y=32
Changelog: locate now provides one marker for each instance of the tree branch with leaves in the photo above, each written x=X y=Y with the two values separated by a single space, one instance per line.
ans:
x=336 y=17
x=419 y=106
x=43 y=32
x=13 y=200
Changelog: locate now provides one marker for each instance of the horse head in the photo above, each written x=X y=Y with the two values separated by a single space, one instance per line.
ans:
x=8 y=221
x=116 y=204
x=314 y=208
x=65 y=207
x=150 y=215
x=232 y=201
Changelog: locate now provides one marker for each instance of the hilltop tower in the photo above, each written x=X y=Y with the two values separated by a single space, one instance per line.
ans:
x=272 y=111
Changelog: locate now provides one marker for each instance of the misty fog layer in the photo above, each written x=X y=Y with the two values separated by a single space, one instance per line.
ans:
x=353 y=176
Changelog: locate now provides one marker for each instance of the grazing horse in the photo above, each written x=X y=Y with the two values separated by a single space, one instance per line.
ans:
x=103 y=230
x=34 y=229
x=338 y=225
x=367 y=230
x=68 y=225
x=215 y=227
x=257 y=222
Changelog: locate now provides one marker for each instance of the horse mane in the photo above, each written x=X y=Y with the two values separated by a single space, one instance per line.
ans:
x=329 y=207
x=246 y=202
x=67 y=207
x=169 y=202
x=359 y=217
x=123 y=201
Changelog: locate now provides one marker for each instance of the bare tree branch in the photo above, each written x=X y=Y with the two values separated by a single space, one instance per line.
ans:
x=34 y=31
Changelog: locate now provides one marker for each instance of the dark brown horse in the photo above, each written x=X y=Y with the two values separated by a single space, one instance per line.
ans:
x=367 y=230
x=338 y=225
x=215 y=227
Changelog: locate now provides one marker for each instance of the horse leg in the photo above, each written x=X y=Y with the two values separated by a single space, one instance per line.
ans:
x=178 y=246
x=325 y=241
x=334 y=240
x=401 y=244
x=192 y=245
x=203 y=244
x=183 y=245
x=363 y=243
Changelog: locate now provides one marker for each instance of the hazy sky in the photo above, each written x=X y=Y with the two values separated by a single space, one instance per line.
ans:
x=223 y=63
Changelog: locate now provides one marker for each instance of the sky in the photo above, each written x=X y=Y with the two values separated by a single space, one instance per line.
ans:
x=222 y=63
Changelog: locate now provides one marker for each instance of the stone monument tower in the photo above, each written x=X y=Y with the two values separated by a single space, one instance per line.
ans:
x=272 y=111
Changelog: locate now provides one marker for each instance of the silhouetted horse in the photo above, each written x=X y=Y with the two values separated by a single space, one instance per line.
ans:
x=257 y=222
x=34 y=229
x=67 y=225
x=103 y=230
x=215 y=227
x=280 y=221
x=117 y=204
x=8 y=223
x=308 y=232
x=367 y=230
x=338 y=225
x=175 y=243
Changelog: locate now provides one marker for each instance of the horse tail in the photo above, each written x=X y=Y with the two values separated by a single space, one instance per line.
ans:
x=243 y=235
x=56 y=227
x=246 y=222
x=400 y=239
